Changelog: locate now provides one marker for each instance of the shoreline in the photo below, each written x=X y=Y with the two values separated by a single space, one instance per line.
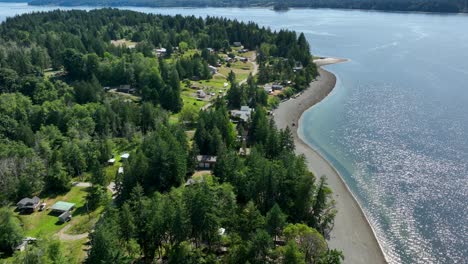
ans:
x=352 y=232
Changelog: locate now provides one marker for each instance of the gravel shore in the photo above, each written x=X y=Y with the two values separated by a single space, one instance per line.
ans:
x=352 y=232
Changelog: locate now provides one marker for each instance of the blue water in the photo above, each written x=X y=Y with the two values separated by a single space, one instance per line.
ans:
x=396 y=125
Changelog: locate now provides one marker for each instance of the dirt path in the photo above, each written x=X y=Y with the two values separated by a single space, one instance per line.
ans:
x=253 y=60
x=66 y=237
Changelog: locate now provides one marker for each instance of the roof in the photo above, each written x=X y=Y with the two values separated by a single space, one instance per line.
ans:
x=121 y=170
x=206 y=158
x=245 y=108
x=111 y=160
x=244 y=113
x=25 y=201
x=62 y=206
x=125 y=156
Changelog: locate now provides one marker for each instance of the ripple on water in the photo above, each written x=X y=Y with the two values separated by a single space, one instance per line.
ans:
x=410 y=177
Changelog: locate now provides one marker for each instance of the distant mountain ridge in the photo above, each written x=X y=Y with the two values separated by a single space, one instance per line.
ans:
x=444 y=6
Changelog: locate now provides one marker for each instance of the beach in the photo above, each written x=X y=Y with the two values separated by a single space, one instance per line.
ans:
x=352 y=232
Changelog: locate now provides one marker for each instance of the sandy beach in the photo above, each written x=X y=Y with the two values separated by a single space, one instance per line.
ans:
x=352 y=232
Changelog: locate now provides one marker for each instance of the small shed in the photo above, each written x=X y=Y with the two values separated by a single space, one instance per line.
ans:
x=125 y=156
x=65 y=217
x=62 y=207
x=111 y=161
x=121 y=170
x=206 y=161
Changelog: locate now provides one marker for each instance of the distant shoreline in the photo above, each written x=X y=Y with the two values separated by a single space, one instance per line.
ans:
x=352 y=232
x=271 y=7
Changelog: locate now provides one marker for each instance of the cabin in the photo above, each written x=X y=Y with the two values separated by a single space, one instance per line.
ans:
x=24 y=243
x=161 y=52
x=298 y=68
x=268 y=88
x=22 y=246
x=243 y=114
x=111 y=161
x=243 y=59
x=28 y=204
x=126 y=88
x=121 y=170
x=201 y=94
x=124 y=156
x=277 y=87
x=244 y=151
x=206 y=161
x=193 y=181
x=213 y=69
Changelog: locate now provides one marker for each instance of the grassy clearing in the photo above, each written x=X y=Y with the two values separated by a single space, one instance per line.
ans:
x=45 y=224
x=76 y=250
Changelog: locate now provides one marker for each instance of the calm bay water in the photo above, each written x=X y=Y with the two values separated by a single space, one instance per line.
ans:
x=396 y=125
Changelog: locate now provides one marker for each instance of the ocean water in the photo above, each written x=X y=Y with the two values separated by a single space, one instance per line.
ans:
x=396 y=125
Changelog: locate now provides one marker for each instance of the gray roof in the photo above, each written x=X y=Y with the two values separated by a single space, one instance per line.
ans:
x=206 y=158
x=29 y=201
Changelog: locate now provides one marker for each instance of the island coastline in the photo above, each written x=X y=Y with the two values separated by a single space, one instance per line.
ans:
x=352 y=232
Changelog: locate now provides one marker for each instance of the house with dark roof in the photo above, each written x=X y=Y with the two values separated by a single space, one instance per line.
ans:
x=243 y=114
x=28 y=204
x=206 y=162
x=126 y=88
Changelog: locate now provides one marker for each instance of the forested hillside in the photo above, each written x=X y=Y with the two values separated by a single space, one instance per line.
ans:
x=96 y=111
x=390 y=5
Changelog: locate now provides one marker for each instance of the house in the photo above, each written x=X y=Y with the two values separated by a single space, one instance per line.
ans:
x=22 y=246
x=201 y=94
x=28 y=204
x=111 y=161
x=126 y=88
x=243 y=114
x=243 y=59
x=244 y=151
x=121 y=170
x=268 y=88
x=298 y=68
x=62 y=207
x=237 y=44
x=213 y=69
x=124 y=156
x=277 y=87
x=193 y=181
x=161 y=52
x=206 y=161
